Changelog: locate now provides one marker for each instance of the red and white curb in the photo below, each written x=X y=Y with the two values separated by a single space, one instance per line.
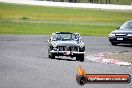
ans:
x=101 y=59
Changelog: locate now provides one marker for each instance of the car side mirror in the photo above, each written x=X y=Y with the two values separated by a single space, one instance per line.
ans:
x=78 y=39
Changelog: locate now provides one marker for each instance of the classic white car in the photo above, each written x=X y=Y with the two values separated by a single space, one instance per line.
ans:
x=66 y=44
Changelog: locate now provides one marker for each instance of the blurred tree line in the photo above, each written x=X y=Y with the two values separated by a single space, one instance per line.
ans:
x=89 y=1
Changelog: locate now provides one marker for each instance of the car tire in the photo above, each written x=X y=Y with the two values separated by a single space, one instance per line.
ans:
x=113 y=43
x=52 y=56
x=49 y=54
x=80 y=58
x=77 y=58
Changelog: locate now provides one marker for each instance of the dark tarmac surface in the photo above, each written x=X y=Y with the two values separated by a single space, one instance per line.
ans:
x=24 y=63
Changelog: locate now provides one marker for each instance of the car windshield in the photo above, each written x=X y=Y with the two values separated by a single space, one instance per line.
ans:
x=126 y=26
x=63 y=36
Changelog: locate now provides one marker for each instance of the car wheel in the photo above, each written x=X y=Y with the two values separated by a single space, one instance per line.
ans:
x=52 y=56
x=113 y=43
x=77 y=58
x=49 y=54
x=80 y=58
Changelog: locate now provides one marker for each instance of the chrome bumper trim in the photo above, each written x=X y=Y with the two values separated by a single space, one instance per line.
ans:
x=74 y=52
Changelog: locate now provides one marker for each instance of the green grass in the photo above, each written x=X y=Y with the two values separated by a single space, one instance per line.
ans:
x=23 y=19
x=33 y=27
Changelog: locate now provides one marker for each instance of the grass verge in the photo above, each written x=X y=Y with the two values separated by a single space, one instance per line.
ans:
x=23 y=19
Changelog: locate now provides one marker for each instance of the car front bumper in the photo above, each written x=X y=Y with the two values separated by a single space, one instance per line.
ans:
x=66 y=53
x=124 y=39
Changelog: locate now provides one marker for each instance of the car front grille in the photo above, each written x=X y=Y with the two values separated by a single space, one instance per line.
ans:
x=68 y=48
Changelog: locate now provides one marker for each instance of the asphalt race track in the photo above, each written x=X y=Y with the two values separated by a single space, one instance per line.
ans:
x=24 y=63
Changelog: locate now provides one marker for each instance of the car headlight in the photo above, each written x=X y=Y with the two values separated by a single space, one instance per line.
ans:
x=129 y=35
x=55 y=49
x=81 y=45
x=111 y=35
x=54 y=45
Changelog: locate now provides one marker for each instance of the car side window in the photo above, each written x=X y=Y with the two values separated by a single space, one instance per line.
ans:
x=56 y=37
x=126 y=25
x=129 y=26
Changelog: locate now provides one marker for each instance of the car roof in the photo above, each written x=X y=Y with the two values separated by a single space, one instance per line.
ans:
x=64 y=33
